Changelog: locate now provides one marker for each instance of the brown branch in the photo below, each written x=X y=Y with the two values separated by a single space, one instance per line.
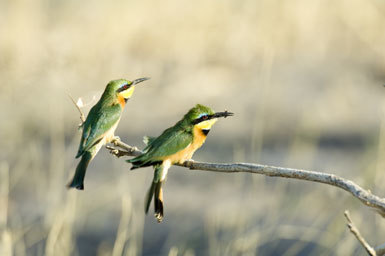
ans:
x=365 y=196
x=358 y=235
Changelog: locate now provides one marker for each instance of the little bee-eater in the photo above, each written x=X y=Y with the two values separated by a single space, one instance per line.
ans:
x=100 y=124
x=175 y=145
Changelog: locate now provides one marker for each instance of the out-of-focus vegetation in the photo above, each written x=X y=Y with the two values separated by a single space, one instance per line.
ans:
x=304 y=79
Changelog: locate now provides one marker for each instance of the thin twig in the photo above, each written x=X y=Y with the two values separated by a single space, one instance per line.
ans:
x=363 y=195
x=82 y=116
x=358 y=235
x=127 y=150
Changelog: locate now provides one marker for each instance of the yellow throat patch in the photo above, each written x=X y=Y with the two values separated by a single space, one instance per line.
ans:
x=128 y=93
x=205 y=125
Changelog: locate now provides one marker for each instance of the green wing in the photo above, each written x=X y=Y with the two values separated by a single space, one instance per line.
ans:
x=168 y=143
x=98 y=122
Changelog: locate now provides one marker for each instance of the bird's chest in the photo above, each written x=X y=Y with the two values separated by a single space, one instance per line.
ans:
x=198 y=139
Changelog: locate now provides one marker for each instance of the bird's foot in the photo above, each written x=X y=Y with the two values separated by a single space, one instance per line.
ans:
x=116 y=140
x=116 y=152
x=188 y=162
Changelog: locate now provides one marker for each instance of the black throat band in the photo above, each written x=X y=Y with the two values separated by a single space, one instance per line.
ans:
x=205 y=131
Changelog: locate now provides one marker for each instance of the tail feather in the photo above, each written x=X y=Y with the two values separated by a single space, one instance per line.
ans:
x=158 y=201
x=77 y=180
x=149 y=196
x=156 y=191
x=137 y=162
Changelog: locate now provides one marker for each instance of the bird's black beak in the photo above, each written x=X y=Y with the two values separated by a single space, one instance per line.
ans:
x=221 y=114
x=139 y=80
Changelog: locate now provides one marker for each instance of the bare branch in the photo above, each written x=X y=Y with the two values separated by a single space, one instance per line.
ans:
x=127 y=149
x=359 y=237
x=365 y=196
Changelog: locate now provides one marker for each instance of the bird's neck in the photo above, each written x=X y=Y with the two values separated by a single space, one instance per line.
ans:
x=199 y=136
x=121 y=100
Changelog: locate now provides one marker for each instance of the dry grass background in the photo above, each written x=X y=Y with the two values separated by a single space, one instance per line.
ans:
x=304 y=79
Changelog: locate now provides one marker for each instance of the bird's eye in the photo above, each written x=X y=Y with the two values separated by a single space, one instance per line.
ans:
x=204 y=117
x=123 y=87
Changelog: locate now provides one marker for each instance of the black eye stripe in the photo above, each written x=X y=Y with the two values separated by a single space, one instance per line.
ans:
x=202 y=118
x=123 y=87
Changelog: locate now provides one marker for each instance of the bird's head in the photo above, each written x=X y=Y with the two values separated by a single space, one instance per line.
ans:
x=204 y=117
x=123 y=89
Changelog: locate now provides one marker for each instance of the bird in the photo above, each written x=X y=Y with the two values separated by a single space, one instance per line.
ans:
x=175 y=145
x=100 y=124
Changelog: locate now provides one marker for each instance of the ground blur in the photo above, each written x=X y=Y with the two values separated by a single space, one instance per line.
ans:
x=304 y=79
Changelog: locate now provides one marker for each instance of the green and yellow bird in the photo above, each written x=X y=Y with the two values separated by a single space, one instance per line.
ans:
x=100 y=124
x=175 y=145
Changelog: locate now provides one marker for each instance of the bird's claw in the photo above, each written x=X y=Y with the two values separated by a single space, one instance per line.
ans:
x=188 y=162
x=115 y=140
x=116 y=152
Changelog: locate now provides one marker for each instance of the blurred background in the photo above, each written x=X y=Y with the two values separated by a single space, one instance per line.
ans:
x=304 y=79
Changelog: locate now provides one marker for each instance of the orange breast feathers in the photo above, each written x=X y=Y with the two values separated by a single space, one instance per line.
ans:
x=187 y=152
x=121 y=100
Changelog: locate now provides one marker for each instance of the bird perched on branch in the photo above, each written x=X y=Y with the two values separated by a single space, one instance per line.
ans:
x=100 y=124
x=175 y=145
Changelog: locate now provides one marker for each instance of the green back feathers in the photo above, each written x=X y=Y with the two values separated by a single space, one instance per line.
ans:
x=171 y=141
x=102 y=117
x=168 y=143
